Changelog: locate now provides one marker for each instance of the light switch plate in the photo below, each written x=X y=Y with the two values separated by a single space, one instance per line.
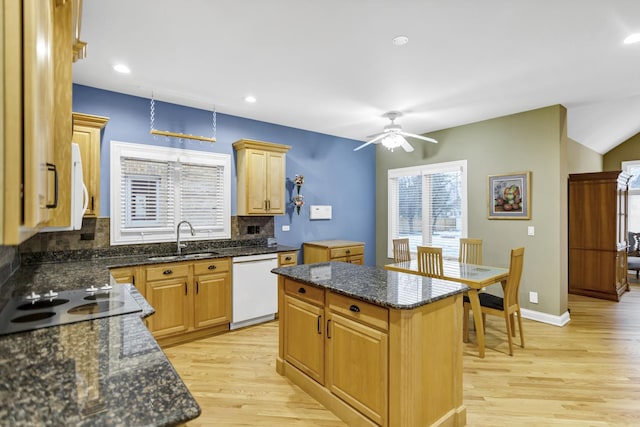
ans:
x=285 y=228
x=531 y=231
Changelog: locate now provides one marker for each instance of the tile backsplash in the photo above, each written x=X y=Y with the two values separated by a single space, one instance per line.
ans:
x=94 y=234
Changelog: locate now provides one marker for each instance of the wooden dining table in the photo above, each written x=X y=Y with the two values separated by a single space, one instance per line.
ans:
x=474 y=276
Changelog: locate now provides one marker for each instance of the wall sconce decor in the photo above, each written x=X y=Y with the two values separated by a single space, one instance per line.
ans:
x=298 y=199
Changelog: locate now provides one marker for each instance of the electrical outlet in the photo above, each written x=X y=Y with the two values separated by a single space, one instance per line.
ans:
x=533 y=297
x=285 y=228
x=531 y=231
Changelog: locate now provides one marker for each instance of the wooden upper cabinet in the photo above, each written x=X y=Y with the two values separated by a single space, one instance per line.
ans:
x=37 y=52
x=62 y=61
x=261 y=169
x=86 y=133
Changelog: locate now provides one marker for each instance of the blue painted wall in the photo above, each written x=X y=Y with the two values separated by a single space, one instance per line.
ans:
x=334 y=174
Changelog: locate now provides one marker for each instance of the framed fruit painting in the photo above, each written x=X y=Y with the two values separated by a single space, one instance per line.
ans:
x=510 y=196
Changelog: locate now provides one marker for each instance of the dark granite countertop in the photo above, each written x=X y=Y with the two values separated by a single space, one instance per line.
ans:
x=386 y=288
x=107 y=371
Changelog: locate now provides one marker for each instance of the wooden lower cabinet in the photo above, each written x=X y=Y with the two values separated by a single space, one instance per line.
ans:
x=333 y=250
x=304 y=345
x=124 y=275
x=167 y=291
x=372 y=365
x=212 y=302
x=357 y=366
x=286 y=259
x=191 y=299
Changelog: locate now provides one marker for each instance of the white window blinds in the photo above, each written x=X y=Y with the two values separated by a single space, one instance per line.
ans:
x=427 y=204
x=201 y=196
x=154 y=188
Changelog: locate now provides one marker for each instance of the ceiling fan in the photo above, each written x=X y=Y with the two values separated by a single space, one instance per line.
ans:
x=393 y=136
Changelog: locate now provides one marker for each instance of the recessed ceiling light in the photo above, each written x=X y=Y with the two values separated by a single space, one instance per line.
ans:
x=250 y=99
x=121 y=68
x=633 y=38
x=400 y=40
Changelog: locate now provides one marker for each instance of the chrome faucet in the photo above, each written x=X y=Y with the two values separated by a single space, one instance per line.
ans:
x=183 y=245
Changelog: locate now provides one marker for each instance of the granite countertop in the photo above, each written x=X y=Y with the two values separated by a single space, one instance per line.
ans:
x=107 y=371
x=385 y=288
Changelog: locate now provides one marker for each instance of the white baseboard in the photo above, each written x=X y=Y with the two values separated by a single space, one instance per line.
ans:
x=539 y=316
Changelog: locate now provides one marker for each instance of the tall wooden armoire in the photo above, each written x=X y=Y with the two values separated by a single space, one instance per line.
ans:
x=598 y=234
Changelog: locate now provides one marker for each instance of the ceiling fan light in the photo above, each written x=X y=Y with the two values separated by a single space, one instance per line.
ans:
x=392 y=141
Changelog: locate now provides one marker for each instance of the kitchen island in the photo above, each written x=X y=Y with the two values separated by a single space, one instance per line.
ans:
x=376 y=347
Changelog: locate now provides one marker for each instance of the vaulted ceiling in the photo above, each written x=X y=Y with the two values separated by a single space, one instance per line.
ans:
x=331 y=66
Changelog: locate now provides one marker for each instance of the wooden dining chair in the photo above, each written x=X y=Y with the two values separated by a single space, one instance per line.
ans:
x=506 y=307
x=470 y=251
x=430 y=261
x=401 y=250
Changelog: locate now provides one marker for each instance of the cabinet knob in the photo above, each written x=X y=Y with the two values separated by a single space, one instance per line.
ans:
x=287 y=258
x=212 y=267
x=302 y=291
x=354 y=308
x=166 y=272
x=348 y=251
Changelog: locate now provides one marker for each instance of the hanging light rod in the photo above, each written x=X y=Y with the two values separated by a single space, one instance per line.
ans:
x=181 y=135
x=153 y=131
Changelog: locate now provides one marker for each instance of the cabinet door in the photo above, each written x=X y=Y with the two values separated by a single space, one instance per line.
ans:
x=357 y=366
x=304 y=337
x=212 y=300
x=86 y=133
x=39 y=168
x=256 y=182
x=169 y=298
x=275 y=180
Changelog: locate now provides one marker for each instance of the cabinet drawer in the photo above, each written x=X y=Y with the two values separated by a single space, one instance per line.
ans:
x=370 y=314
x=347 y=251
x=167 y=271
x=287 y=258
x=306 y=292
x=218 y=265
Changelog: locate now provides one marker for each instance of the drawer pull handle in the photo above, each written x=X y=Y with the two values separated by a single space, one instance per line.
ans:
x=302 y=291
x=348 y=251
x=354 y=308
x=168 y=271
x=287 y=258
x=212 y=267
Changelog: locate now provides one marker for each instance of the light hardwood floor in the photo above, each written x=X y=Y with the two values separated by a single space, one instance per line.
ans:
x=584 y=374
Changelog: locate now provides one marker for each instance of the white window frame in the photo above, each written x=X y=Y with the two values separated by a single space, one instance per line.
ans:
x=423 y=170
x=121 y=236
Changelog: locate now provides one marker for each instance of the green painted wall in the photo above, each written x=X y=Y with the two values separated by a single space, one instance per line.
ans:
x=628 y=150
x=533 y=141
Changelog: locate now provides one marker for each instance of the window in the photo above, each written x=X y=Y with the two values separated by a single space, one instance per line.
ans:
x=154 y=188
x=428 y=204
x=633 y=216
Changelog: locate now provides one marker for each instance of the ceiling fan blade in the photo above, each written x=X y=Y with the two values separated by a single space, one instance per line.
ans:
x=424 y=138
x=405 y=145
x=362 y=146
x=373 y=141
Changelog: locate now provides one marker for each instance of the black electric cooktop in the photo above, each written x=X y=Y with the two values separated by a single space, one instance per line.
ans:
x=53 y=308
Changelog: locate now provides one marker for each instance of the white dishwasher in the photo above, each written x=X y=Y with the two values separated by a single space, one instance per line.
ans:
x=254 y=290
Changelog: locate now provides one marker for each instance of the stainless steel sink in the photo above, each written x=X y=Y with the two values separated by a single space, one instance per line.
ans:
x=200 y=255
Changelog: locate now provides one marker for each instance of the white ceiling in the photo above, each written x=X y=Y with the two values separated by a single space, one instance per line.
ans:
x=330 y=66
